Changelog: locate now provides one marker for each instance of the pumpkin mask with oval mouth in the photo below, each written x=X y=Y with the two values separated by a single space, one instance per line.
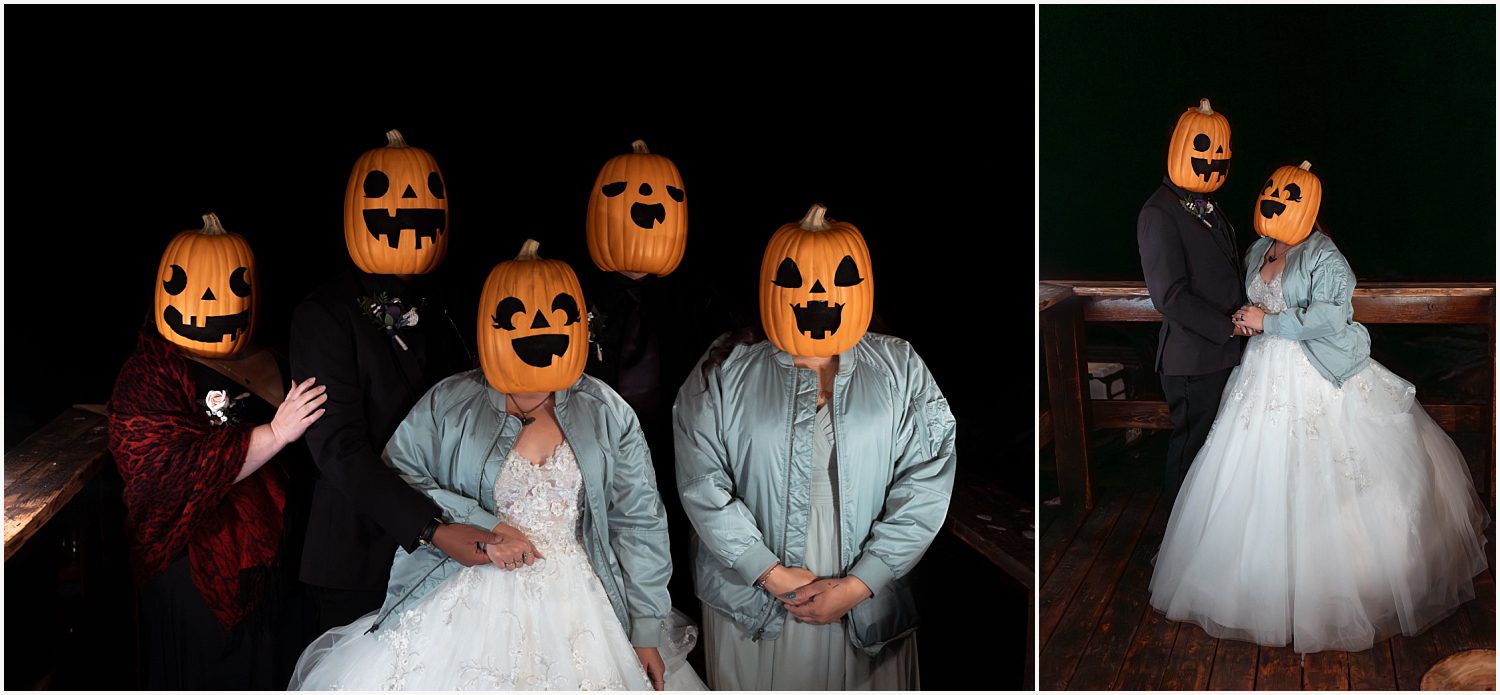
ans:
x=533 y=337
x=637 y=217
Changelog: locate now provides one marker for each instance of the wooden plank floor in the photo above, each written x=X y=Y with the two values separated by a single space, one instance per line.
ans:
x=1099 y=632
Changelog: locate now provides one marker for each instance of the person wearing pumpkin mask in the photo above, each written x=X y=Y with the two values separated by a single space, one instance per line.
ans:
x=376 y=336
x=816 y=467
x=1327 y=510
x=554 y=463
x=1191 y=264
x=199 y=422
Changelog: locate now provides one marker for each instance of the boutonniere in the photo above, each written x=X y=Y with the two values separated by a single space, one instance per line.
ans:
x=596 y=324
x=1198 y=209
x=223 y=410
x=390 y=314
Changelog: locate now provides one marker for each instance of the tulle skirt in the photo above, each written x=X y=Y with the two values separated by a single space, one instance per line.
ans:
x=549 y=626
x=1320 y=517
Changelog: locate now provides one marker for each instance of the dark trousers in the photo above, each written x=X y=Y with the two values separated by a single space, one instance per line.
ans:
x=1193 y=402
x=339 y=607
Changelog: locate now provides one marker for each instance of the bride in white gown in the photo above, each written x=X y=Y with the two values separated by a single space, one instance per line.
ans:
x=572 y=595
x=1318 y=514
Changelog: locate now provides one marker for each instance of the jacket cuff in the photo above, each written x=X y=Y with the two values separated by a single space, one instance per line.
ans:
x=645 y=632
x=1271 y=324
x=873 y=572
x=754 y=562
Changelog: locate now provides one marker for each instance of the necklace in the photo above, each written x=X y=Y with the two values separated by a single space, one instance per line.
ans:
x=1271 y=255
x=525 y=415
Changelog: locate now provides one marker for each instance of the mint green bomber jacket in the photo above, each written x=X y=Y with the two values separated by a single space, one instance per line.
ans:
x=451 y=445
x=1319 y=289
x=744 y=449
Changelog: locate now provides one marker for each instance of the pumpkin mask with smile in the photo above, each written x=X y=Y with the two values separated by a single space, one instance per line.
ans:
x=816 y=293
x=533 y=336
x=396 y=210
x=205 y=302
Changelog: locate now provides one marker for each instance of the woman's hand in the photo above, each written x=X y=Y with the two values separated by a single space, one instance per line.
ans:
x=656 y=669
x=297 y=411
x=826 y=601
x=513 y=550
x=1250 y=317
x=784 y=582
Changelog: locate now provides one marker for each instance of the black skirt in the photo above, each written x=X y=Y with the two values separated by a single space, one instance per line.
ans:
x=187 y=648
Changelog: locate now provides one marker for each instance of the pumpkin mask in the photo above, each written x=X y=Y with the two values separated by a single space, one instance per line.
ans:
x=533 y=336
x=1287 y=206
x=205 y=303
x=1198 y=156
x=396 y=210
x=816 y=293
x=637 y=219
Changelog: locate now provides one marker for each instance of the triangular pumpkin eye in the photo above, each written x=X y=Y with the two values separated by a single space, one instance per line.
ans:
x=611 y=190
x=787 y=274
x=505 y=313
x=676 y=193
x=848 y=273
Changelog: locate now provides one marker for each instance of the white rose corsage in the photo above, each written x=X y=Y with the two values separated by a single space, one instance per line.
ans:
x=222 y=408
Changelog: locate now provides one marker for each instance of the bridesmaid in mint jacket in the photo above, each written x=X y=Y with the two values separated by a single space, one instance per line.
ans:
x=816 y=468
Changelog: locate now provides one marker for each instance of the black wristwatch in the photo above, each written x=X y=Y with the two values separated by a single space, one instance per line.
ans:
x=425 y=537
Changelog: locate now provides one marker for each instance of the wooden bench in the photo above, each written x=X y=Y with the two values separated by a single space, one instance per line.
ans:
x=46 y=470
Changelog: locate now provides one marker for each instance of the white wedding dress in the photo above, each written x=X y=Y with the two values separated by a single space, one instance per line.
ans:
x=549 y=626
x=1318 y=516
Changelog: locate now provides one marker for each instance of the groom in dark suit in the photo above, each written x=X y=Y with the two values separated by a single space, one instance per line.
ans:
x=1196 y=279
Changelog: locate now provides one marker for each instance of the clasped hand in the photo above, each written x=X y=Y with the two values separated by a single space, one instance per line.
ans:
x=812 y=600
x=1248 y=320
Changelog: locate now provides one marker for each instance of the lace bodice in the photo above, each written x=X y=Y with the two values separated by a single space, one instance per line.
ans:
x=1267 y=295
x=542 y=500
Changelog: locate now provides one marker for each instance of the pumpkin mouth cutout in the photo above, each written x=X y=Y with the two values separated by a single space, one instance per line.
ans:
x=1205 y=168
x=818 y=319
x=539 y=350
x=214 y=329
x=427 y=223
x=1270 y=208
x=646 y=216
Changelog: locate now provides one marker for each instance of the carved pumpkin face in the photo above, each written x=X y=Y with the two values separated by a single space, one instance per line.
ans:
x=396 y=210
x=1199 y=153
x=1287 y=206
x=206 y=292
x=816 y=293
x=533 y=328
x=637 y=220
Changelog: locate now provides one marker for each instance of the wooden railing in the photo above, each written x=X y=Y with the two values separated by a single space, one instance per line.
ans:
x=1067 y=305
x=45 y=471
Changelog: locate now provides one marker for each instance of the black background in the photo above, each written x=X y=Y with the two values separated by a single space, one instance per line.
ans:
x=119 y=137
x=896 y=129
x=1394 y=107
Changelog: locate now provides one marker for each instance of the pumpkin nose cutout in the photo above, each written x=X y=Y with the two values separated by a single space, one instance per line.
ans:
x=817 y=287
x=540 y=321
x=1276 y=193
x=208 y=295
x=645 y=189
x=409 y=192
x=1220 y=150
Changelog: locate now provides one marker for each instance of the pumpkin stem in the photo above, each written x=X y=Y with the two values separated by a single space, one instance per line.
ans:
x=528 y=251
x=1306 y=165
x=813 y=221
x=211 y=225
x=393 y=139
x=639 y=146
x=1204 y=107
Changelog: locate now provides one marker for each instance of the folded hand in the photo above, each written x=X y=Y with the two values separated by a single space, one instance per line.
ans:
x=826 y=601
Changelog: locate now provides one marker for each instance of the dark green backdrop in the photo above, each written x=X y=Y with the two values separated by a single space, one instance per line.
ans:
x=1394 y=106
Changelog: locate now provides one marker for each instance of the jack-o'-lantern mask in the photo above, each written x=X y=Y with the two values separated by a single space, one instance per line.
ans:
x=637 y=220
x=396 y=210
x=205 y=299
x=1287 y=206
x=1198 y=156
x=816 y=293
x=533 y=330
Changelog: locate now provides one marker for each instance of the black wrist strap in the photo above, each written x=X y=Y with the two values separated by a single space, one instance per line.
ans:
x=425 y=537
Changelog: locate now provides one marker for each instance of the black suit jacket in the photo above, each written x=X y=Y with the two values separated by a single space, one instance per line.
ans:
x=361 y=509
x=1196 y=279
